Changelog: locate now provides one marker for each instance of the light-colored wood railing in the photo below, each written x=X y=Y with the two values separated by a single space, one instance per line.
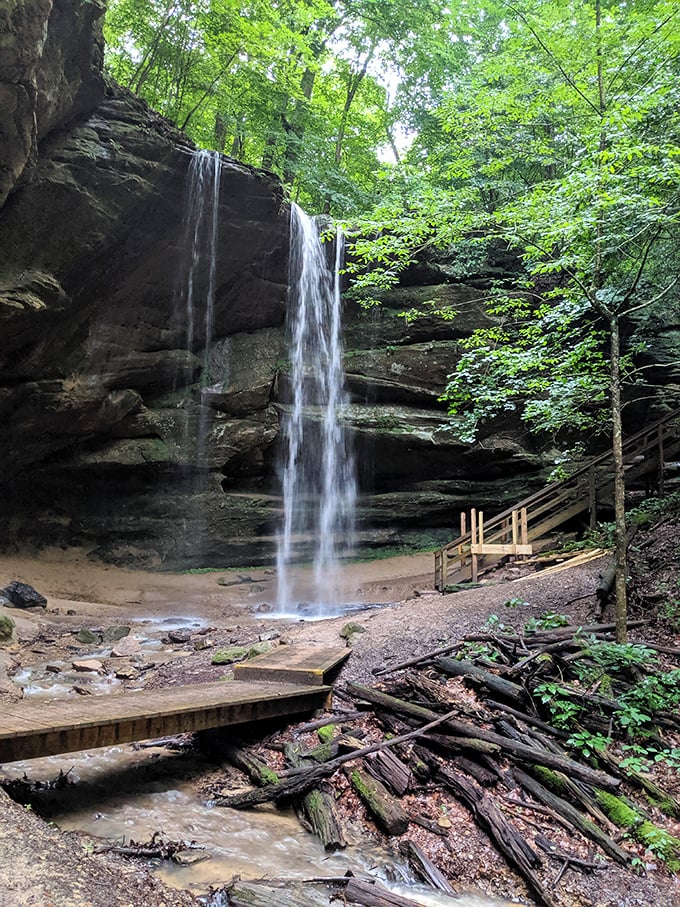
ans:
x=645 y=454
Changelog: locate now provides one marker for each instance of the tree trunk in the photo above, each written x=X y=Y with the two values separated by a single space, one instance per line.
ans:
x=621 y=605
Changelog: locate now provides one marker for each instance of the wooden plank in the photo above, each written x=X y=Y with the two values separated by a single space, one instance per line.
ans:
x=501 y=549
x=289 y=664
x=66 y=726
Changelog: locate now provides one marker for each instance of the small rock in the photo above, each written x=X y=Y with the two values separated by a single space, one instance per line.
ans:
x=259 y=648
x=126 y=674
x=88 y=637
x=71 y=611
x=203 y=642
x=263 y=608
x=21 y=595
x=129 y=645
x=351 y=629
x=271 y=635
x=225 y=656
x=88 y=664
x=83 y=691
x=178 y=637
x=53 y=669
x=113 y=634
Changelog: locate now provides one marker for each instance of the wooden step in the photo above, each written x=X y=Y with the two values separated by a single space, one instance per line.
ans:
x=293 y=664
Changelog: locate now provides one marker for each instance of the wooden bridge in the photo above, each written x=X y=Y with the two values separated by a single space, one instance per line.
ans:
x=287 y=682
x=512 y=531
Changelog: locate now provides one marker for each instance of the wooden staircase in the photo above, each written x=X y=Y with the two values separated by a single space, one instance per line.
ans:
x=646 y=454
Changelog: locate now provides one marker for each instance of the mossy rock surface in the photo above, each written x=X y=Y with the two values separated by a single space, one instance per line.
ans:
x=7 y=628
x=226 y=656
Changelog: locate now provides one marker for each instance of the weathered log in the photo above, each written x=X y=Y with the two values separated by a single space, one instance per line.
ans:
x=585 y=865
x=419 y=659
x=511 y=748
x=297 y=785
x=423 y=867
x=527 y=719
x=507 y=840
x=389 y=769
x=506 y=689
x=482 y=775
x=569 y=812
x=247 y=762
x=379 y=802
x=340 y=717
x=321 y=812
x=373 y=894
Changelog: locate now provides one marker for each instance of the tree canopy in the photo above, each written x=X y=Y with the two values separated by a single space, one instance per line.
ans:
x=549 y=126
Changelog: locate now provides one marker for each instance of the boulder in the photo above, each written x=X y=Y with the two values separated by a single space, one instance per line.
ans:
x=22 y=595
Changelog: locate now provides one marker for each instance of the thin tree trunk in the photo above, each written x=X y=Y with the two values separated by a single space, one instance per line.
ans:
x=621 y=606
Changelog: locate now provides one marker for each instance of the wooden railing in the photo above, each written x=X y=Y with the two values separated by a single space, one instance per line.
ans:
x=645 y=454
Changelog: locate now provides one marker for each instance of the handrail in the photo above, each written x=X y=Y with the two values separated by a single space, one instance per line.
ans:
x=559 y=493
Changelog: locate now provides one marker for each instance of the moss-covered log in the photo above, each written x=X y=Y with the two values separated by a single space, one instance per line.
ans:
x=382 y=806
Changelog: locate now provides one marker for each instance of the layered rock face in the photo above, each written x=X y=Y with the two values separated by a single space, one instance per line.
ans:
x=117 y=437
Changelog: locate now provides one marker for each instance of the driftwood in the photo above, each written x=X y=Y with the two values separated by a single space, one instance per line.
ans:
x=424 y=868
x=511 y=748
x=297 y=785
x=323 y=817
x=379 y=802
x=156 y=847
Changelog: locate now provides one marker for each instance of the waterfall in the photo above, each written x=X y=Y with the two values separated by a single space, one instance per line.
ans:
x=318 y=475
x=195 y=316
x=199 y=254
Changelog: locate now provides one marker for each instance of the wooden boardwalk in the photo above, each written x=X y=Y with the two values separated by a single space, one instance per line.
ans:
x=31 y=728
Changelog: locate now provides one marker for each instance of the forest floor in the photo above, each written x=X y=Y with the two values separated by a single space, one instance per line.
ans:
x=43 y=867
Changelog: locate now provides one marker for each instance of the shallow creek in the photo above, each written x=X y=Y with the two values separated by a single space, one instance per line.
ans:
x=121 y=793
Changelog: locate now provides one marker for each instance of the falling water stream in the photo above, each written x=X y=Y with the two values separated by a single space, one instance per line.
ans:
x=318 y=475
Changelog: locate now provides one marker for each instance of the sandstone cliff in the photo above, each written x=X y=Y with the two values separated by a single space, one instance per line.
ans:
x=100 y=397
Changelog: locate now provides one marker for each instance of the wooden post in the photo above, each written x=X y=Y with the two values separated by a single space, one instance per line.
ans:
x=474 y=541
x=524 y=529
x=515 y=532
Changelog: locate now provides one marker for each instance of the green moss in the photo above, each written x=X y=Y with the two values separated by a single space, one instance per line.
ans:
x=663 y=845
x=226 y=656
x=268 y=776
x=551 y=779
x=351 y=629
x=320 y=753
x=6 y=628
x=326 y=733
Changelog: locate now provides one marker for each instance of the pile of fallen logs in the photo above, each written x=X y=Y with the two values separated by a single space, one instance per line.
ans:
x=506 y=723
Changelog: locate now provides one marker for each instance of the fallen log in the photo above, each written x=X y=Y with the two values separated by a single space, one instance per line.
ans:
x=508 y=841
x=512 y=749
x=506 y=689
x=297 y=785
x=419 y=659
x=257 y=771
x=320 y=810
x=389 y=769
x=373 y=894
x=423 y=867
x=569 y=812
x=387 y=812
